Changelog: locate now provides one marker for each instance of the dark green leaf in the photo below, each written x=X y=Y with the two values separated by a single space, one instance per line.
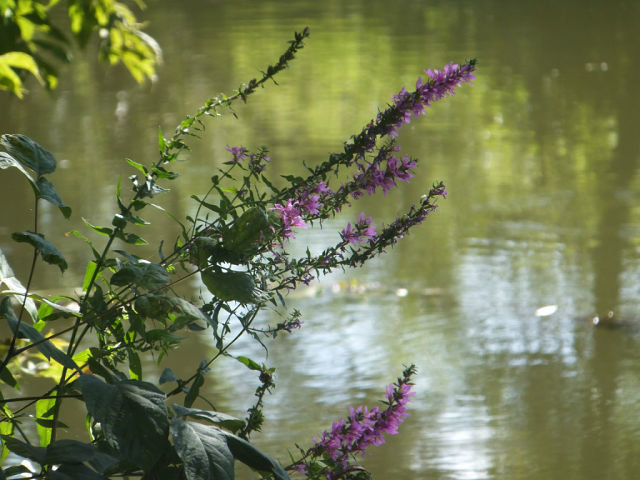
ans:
x=232 y=285
x=192 y=440
x=6 y=377
x=192 y=452
x=47 y=348
x=222 y=419
x=48 y=193
x=134 y=363
x=48 y=251
x=150 y=276
x=37 y=454
x=29 y=153
x=16 y=470
x=168 y=376
x=194 y=391
x=254 y=458
x=133 y=417
x=131 y=238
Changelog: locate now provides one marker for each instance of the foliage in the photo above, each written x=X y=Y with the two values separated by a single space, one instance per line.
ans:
x=31 y=43
x=238 y=243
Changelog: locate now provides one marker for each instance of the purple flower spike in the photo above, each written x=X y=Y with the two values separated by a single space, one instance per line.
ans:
x=290 y=216
x=238 y=153
x=360 y=232
x=362 y=428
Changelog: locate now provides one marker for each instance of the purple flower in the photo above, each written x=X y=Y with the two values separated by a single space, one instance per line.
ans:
x=362 y=428
x=238 y=153
x=360 y=232
x=311 y=203
x=322 y=189
x=290 y=216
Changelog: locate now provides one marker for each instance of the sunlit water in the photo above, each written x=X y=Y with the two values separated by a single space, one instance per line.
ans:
x=540 y=159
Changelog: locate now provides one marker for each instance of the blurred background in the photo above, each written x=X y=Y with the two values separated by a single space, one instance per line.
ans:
x=540 y=157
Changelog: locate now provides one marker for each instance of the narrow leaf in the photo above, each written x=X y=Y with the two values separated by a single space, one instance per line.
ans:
x=194 y=391
x=101 y=230
x=250 y=364
x=47 y=348
x=43 y=412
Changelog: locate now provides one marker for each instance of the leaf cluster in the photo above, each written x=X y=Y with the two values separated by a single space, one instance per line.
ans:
x=32 y=44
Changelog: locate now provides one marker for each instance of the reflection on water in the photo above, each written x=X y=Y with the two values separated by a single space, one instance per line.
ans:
x=540 y=158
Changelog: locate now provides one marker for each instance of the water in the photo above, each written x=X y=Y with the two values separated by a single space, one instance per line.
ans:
x=540 y=158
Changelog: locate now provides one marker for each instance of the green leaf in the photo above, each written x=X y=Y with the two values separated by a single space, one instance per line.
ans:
x=133 y=417
x=135 y=367
x=29 y=153
x=138 y=166
x=48 y=193
x=217 y=418
x=16 y=470
x=101 y=230
x=88 y=274
x=37 y=454
x=131 y=238
x=150 y=276
x=47 y=250
x=254 y=458
x=250 y=364
x=77 y=234
x=203 y=451
x=74 y=451
x=158 y=306
x=6 y=377
x=231 y=285
x=248 y=233
x=22 y=60
x=194 y=391
x=43 y=412
x=7 y=161
x=47 y=348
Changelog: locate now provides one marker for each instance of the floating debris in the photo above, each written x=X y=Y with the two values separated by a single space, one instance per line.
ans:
x=546 y=311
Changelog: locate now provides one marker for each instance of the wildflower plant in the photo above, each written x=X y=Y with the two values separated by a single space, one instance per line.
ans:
x=237 y=242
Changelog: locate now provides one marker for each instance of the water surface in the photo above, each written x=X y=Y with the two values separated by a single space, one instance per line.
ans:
x=540 y=158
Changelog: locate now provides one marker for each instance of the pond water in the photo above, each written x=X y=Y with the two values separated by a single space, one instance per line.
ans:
x=540 y=157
